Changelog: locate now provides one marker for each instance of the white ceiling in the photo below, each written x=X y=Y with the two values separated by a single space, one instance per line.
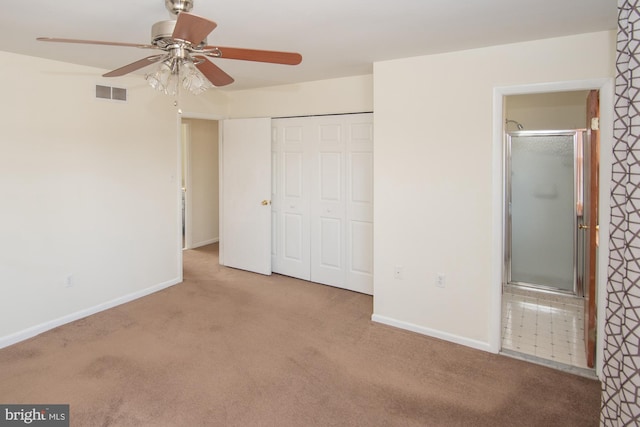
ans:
x=337 y=38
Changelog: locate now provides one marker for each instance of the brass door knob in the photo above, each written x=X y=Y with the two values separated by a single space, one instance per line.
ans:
x=266 y=202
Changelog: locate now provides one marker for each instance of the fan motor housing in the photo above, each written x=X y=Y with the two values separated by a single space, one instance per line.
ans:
x=162 y=34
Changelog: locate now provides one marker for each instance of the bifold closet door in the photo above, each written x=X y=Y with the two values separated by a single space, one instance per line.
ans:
x=323 y=200
x=359 y=204
x=290 y=186
x=342 y=202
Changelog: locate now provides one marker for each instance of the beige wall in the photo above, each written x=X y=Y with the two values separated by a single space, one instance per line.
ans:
x=89 y=190
x=212 y=104
x=434 y=165
x=344 y=95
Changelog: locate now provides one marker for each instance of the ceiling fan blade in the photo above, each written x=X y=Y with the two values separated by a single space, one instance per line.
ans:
x=213 y=73
x=134 y=66
x=58 y=40
x=274 y=57
x=192 y=28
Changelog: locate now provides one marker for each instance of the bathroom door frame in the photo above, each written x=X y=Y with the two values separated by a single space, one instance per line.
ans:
x=606 y=87
x=591 y=230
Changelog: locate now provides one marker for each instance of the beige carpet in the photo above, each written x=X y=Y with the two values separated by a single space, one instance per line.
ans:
x=230 y=348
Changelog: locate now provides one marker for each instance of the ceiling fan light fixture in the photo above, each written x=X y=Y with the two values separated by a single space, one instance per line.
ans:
x=160 y=78
x=178 y=69
x=186 y=58
x=193 y=80
x=164 y=78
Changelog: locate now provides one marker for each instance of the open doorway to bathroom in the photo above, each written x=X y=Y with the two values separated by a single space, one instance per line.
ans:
x=550 y=163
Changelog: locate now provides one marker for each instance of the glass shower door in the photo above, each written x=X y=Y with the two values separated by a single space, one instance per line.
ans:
x=543 y=198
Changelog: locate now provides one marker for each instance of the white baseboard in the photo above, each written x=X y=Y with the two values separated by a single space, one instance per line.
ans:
x=43 y=327
x=484 y=346
x=204 y=243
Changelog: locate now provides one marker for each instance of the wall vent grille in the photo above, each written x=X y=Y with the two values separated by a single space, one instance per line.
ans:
x=108 y=92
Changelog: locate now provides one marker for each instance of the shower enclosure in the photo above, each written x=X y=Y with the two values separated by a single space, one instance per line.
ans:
x=544 y=208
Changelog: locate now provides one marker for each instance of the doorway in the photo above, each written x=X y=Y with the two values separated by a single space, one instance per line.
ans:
x=543 y=304
x=200 y=182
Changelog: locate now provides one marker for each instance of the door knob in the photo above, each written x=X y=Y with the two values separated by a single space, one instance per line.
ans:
x=266 y=202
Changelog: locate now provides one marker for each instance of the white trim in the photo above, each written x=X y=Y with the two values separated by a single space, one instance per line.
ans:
x=606 y=88
x=179 y=116
x=201 y=116
x=204 y=243
x=46 y=326
x=479 y=345
x=185 y=131
x=497 y=252
x=221 y=194
x=179 y=195
x=607 y=100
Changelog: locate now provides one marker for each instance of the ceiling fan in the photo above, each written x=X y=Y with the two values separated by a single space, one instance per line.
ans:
x=185 y=58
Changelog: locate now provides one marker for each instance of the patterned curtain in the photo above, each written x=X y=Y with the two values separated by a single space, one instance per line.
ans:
x=621 y=369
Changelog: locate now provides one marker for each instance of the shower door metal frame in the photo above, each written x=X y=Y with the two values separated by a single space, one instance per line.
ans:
x=578 y=200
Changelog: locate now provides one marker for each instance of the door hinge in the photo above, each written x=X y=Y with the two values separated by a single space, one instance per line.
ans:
x=595 y=123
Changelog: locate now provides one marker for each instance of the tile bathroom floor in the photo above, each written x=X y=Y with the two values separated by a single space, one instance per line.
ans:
x=547 y=326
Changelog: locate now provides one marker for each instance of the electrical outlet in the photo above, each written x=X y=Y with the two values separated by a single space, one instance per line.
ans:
x=398 y=272
x=440 y=280
x=68 y=282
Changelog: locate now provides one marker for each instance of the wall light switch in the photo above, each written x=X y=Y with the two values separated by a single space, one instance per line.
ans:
x=398 y=272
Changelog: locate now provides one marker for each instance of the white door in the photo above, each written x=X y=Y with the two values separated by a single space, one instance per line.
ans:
x=342 y=203
x=359 y=205
x=291 y=189
x=328 y=208
x=323 y=200
x=245 y=240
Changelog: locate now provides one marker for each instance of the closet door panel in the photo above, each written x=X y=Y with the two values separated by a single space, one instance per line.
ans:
x=330 y=179
x=360 y=208
x=293 y=241
x=291 y=205
x=328 y=202
x=330 y=244
x=325 y=189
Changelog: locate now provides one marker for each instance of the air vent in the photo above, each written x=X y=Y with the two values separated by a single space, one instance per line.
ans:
x=108 y=92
